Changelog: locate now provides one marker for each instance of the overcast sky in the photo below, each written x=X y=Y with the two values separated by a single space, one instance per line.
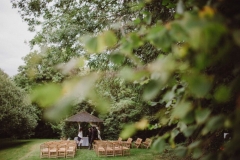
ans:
x=13 y=33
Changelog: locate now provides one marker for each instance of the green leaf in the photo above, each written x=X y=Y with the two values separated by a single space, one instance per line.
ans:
x=46 y=95
x=181 y=151
x=189 y=118
x=102 y=104
x=222 y=94
x=165 y=2
x=202 y=61
x=178 y=33
x=132 y=75
x=162 y=68
x=197 y=153
x=138 y=6
x=159 y=144
x=181 y=109
x=189 y=130
x=199 y=85
x=211 y=34
x=168 y=104
x=168 y=97
x=126 y=73
x=109 y=39
x=171 y=5
x=182 y=126
x=194 y=144
x=117 y=58
x=152 y=103
x=202 y=115
x=151 y=90
x=204 y=35
x=91 y=44
x=126 y=47
x=135 y=40
x=214 y=123
x=137 y=21
x=128 y=131
x=180 y=52
x=195 y=37
x=74 y=92
x=159 y=37
x=100 y=43
x=174 y=133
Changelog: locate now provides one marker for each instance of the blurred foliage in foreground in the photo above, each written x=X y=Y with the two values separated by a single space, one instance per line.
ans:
x=150 y=64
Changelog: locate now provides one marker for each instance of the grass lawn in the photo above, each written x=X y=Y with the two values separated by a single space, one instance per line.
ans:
x=30 y=150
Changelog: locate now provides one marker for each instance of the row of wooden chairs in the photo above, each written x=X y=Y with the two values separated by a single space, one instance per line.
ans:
x=112 y=148
x=58 y=149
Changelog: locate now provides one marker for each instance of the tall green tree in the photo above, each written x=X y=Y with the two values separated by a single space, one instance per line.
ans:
x=18 y=117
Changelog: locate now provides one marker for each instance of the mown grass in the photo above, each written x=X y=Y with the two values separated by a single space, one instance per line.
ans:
x=30 y=150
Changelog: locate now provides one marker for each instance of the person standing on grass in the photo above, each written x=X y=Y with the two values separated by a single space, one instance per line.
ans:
x=80 y=135
x=99 y=133
x=89 y=136
x=94 y=136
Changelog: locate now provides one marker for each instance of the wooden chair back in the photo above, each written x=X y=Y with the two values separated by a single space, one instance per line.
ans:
x=129 y=140
x=147 y=143
x=138 y=142
x=44 y=151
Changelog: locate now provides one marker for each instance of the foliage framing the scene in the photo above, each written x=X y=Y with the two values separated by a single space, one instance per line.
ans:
x=182 y=55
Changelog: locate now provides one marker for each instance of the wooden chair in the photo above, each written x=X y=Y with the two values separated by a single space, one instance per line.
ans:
x=117 y=149
x=72 y=143
x=119 y=139
x=44 y=150
x=61 y=150
x=53 y=150
x=95 y=144
x=109 y=149
x=147 y=143
x=127 y=143
x=70 y=150
x=126 y=148
x=129 y=140
x=138 y=142
x=101 y=149
x=50 y=142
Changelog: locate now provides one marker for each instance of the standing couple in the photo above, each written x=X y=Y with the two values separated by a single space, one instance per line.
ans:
x=93 y=134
